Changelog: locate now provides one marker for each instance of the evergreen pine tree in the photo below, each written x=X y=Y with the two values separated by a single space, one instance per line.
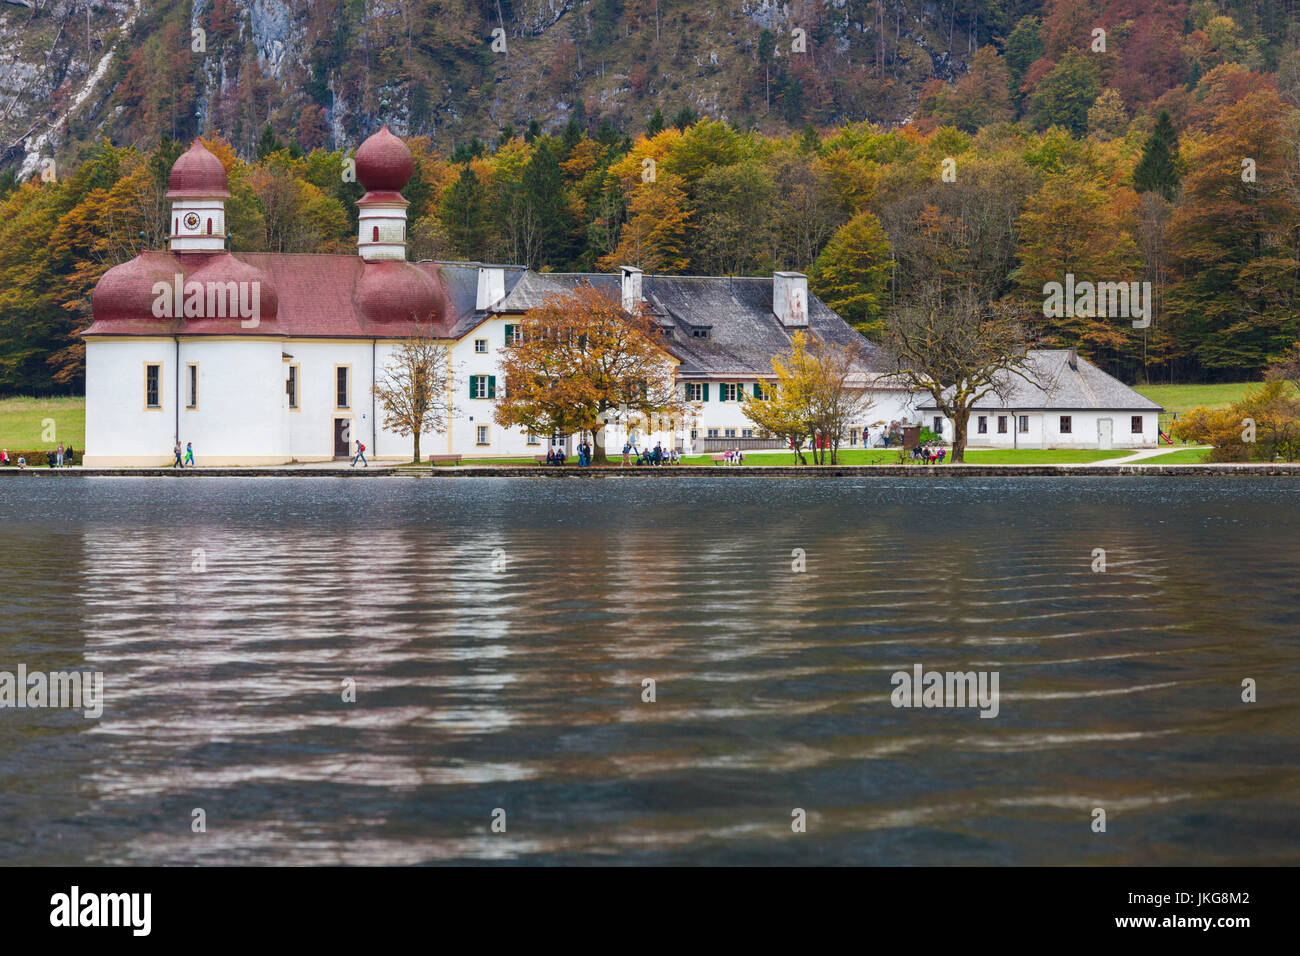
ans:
x=656 y=124
x=1157 y=170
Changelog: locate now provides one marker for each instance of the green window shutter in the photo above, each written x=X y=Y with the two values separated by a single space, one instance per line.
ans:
x=706 y=392
x=740 y=391
x=510 y=334
x=492 y=386
x=473 y=381
x=758 y=390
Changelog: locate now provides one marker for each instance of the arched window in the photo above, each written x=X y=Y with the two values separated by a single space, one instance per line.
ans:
x=209 y=227
x=374 y=234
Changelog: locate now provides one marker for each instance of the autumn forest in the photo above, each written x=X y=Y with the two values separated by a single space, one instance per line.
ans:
x=1108 y=141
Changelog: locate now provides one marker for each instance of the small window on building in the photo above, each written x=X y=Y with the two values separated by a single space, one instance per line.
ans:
x=532 y=438
x=374 y=234
x=938 y=424
x=982 y=425
x=153 y=386
x=694 y=392
x=694 y=434
x=514 y=333
x=1135 y=425
x=191 y=386
x=712 y=433
x=209 y=227
x=1002 y=424
x=342 y=391
x=747 y=433
x=1065 y=424
x=482 y=386
x=699 y=333
x=1024 y=424
x=480 y=345
x=291 y=386
x=727 y=392
x=729 y=433
x=482 y=438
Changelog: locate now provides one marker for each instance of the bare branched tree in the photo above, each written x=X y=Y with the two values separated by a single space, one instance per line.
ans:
x=958 y=348
x=415 y=389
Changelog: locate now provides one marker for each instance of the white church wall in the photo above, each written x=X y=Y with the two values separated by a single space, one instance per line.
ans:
x=239 y=384
x=310 y=428
x=237 y=381
x=120 y=430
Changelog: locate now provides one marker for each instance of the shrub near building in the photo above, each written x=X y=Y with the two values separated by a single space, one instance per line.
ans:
x=1264 y=425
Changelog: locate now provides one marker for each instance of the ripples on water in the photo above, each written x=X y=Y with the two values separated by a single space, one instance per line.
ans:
x=521 y=688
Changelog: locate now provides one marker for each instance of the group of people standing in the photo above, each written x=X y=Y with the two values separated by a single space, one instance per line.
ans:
x=55 y=457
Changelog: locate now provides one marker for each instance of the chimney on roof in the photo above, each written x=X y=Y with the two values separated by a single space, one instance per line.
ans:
x=631 y=283
x=1073 y=358
x=790 y=298
x=491 y=287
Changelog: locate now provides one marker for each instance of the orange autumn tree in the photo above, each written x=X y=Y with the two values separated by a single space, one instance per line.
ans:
x=582 y=362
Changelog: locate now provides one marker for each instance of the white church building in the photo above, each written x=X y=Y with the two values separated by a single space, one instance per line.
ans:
x=270 y=358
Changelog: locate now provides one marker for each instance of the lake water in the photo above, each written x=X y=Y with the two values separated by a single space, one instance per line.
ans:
x=498 y=633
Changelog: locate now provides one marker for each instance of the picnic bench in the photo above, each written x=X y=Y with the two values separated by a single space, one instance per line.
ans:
x=444 y=460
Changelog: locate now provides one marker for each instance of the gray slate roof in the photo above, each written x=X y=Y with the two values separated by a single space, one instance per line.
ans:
x=744 y=333
x=1086 y=387
x=461 y=281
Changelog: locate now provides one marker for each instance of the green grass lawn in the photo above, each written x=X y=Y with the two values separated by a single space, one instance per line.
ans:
x=1183 y=398
x=1187 y=456
x=21 y=422
x=1042 y=456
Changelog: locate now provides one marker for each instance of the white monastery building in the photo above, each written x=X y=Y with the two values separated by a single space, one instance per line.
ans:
x=267 y=358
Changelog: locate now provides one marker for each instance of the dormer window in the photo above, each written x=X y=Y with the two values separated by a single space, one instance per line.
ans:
x=700 y=332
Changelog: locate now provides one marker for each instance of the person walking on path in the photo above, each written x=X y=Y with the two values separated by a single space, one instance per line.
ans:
x=177 y=452
x=189 y=454
x=361 y=455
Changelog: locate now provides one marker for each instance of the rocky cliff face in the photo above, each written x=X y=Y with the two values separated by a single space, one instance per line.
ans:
x=323 y=72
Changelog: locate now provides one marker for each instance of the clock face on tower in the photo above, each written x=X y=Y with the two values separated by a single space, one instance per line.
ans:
x=191 y=220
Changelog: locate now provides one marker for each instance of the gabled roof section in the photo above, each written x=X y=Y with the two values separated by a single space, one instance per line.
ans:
x=460 y=279
x=534 y=288
x=1066 y=389
x=744 y=333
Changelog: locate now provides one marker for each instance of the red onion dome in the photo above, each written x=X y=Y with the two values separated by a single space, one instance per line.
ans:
x=221 y=269
x=384 y=163
x=125 y=292
x=197 y=174
x=396 y=291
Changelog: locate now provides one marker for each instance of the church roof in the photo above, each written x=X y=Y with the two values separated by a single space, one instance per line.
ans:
x=325 y=296
x=197 y=174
